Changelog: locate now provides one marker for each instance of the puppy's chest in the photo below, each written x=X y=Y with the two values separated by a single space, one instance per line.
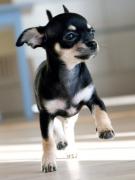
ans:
x=69 y=104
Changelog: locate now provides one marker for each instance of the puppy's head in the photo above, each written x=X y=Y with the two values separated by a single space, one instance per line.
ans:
x=67 y=36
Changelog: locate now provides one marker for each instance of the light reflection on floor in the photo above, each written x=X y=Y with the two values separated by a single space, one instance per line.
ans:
x=97 y=150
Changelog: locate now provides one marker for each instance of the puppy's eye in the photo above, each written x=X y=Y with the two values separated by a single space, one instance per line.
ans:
x=70 y=36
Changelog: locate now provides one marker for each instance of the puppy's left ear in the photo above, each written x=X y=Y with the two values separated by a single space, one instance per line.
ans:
x=49 y=15
x=32 y=37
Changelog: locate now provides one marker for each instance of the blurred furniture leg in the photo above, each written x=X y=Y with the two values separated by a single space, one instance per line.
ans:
x=10 y=15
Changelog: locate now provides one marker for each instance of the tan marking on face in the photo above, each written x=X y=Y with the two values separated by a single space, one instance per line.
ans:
x=68 y=55
x=71 y=27
x=88 y=26
x=57 y=48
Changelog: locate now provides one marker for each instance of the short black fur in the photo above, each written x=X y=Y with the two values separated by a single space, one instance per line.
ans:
x=54 y=80
x=63 y=84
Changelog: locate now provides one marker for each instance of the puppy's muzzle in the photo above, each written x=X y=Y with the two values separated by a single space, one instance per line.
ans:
x=89 y=50
x=89 y=41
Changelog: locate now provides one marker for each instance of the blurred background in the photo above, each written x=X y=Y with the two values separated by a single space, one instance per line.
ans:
x=113 y=69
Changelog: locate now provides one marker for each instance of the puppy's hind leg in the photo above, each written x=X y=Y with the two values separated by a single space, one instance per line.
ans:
x=48 y=142
x=69 y=125
x=61 y=142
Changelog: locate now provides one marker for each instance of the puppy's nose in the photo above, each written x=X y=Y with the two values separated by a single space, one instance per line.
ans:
x=92 y=45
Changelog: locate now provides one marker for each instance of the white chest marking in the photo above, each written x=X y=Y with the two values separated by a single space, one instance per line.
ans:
x=84 y=94
x=53 y=106
x=71 y=110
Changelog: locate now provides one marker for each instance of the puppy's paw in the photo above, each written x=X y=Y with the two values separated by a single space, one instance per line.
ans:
x=62 y=145
x=48 y=165
x=106 y=134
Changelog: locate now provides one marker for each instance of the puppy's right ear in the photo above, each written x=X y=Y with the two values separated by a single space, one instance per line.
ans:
x=65 y=9
x=32 y=37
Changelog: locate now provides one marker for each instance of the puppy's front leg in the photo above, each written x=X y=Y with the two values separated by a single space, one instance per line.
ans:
x=102 y=120
x=48 y=142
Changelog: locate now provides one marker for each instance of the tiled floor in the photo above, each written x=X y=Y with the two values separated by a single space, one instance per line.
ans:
x=20 y=151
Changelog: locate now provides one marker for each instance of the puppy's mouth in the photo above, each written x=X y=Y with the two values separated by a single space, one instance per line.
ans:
x=83 y=56
x=85 y=53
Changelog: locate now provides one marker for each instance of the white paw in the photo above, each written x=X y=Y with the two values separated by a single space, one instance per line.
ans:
x=48 y=165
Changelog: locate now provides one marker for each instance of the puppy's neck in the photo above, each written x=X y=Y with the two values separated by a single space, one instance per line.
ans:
x=57 y=64
x=69 y=74
x=69 y=79
x=61 y=71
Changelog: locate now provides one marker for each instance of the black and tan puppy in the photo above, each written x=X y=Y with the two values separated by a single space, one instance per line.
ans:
x=63 y=83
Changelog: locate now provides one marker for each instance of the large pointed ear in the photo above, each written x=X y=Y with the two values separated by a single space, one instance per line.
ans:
x=65 y=9
x=49 y=15
x=32 y=37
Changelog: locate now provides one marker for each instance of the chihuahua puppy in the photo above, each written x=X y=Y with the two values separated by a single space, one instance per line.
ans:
x=63 y=83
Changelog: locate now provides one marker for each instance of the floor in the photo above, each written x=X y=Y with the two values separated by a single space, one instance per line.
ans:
x=20 y=150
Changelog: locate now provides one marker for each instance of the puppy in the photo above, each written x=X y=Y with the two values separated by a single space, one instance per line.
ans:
x=63 y=83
